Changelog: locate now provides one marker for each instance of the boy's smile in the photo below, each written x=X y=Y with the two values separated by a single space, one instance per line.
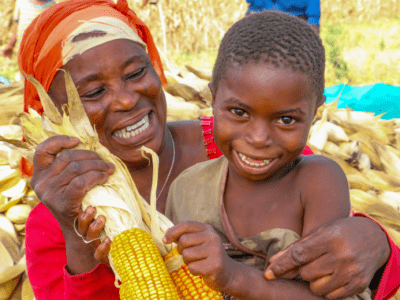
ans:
x=262 y=117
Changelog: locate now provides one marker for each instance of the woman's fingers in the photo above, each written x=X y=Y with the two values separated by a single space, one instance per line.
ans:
x=85 y=218
x=298 y=254
x=95 y=228
x=78 y=186
x=47 y=152
x=74 y=162
x=339 y=258
x=90 y=229
x=347 y=290
x=101 y=253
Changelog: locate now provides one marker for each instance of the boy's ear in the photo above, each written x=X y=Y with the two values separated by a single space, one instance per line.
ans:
x=211 y=87
x=319 y=103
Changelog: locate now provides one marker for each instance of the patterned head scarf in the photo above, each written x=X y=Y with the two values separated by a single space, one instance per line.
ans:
x=48 y=43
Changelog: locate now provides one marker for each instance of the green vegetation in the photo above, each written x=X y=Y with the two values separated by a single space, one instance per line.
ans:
x=8 y=68
x=364 y=52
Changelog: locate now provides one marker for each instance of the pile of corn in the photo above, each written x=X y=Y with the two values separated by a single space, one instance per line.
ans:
x=16 y=201
x=366 y=147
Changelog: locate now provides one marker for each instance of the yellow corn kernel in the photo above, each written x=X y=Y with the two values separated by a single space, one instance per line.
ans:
x=189 y=286
x=143 y=274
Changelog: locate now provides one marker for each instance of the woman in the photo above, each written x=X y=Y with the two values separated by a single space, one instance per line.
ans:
x=112 y=59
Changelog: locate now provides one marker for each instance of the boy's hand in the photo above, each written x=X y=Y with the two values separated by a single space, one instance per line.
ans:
x=202 y=252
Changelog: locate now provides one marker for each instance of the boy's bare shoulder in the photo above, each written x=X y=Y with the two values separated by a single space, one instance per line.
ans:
x=324 y=191
x=318 y=169
x=317 y=164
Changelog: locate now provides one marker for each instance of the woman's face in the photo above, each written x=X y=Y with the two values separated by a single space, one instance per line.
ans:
x=122 y=96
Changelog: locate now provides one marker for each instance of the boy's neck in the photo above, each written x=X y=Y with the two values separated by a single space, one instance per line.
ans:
x=275 y=177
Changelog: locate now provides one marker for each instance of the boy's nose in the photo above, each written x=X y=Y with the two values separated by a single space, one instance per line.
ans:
x=260 y=135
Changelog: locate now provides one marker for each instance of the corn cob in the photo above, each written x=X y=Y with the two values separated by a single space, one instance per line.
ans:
x=189 y=287
x=141 y=267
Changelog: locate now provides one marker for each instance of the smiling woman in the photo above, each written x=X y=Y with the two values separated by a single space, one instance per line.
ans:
x=122 y=97
x=114 y=63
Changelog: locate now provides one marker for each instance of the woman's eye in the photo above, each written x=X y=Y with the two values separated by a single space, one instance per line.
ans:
x=135 y=74
x=239 y=112
x=94 y=94
x=287 y=120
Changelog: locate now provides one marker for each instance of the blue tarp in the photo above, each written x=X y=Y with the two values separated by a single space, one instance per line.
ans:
x=378 y=98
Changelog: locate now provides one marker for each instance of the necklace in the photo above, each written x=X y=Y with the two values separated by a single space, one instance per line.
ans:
x=172 y=165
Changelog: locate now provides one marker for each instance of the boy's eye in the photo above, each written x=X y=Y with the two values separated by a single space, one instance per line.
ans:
x=135 y=74
x=238 y=112
x=94 y=94
x=286 y=120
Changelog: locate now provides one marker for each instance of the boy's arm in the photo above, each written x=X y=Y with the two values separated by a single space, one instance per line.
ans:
x=324 y=192
x=205 y=255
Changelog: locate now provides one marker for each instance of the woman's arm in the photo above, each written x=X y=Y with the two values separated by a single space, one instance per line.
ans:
x=355 y=247
x=46 y=264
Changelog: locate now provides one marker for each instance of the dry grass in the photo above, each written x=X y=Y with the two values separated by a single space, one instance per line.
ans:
x=190 y=25
x=6 y=20
x=366 y=10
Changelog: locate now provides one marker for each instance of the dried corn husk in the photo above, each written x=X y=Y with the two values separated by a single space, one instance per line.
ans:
x=19 y=213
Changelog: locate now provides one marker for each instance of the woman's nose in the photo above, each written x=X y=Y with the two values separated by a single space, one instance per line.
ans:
x=260 y=135
x=124 y=99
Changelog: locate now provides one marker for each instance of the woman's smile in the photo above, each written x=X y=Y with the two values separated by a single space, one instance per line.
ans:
x=133 y=130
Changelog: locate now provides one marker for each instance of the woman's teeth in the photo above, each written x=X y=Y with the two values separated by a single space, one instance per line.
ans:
x=131 y=131
x=252 y=162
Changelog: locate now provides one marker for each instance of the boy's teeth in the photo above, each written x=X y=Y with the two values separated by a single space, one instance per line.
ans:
x=130 y=131
x=254 y=163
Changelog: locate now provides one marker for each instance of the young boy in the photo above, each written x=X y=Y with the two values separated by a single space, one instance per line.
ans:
x=24 y=13
x=262 y=195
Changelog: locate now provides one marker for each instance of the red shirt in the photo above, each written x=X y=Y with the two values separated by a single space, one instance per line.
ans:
x=46 y=256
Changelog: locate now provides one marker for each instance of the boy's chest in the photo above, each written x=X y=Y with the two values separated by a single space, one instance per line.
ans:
x=254 y=211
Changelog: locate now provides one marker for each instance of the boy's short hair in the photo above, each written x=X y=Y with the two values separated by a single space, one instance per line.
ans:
x=276 y=38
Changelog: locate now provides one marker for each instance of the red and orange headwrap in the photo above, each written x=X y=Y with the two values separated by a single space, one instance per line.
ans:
x=41 y=51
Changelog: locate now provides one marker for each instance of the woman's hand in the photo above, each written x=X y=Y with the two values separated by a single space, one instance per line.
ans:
x=61 y=177
x=339 y=258
x=90 y=227
x=202 y=252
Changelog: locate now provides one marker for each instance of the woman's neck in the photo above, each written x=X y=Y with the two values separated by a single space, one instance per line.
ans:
x=143 y=177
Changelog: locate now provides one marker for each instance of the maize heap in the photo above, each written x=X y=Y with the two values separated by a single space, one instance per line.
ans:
x=135 y=227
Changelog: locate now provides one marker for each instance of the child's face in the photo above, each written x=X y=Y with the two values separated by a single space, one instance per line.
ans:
x=262 y=117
